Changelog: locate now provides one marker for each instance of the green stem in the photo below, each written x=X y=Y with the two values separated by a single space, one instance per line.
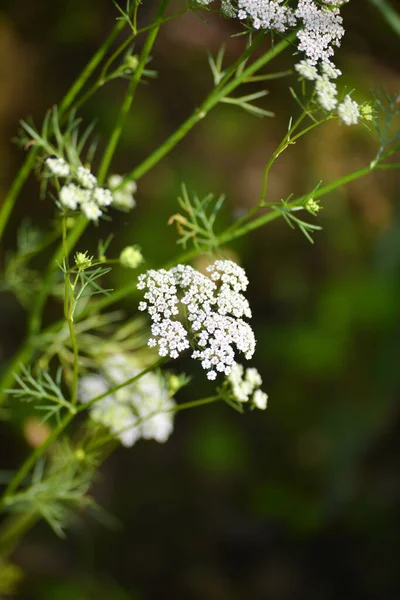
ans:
x=114 y=389
x=178 y=407
x=25 y=468
x=31 y=460
x=322 y=191
x=391 y=17
x=13 y=529
x=233 y=233
x=194 y=404
x=223 y=89
x=127 y=103
x=90 y=67
x=35 y=319
x=11 y=197
x=26 y=168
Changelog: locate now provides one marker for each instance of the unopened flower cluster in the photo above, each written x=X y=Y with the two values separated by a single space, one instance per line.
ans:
x=320 y=31
x=81 y=191
x=214 y=307
x=245 y=386
x=142 y=409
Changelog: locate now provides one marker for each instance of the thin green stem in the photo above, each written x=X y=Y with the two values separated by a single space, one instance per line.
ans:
x=223 y=89
x=322 y=191
x=26 y=168
x=31 y=460
x=129 y=381
x=13 y=529
x=127 y=103
x=90 y=68
x=391 y=17
x=25 y=468
x=98 y=443
x=11 y=197
x=233 y=233
x=35 y=318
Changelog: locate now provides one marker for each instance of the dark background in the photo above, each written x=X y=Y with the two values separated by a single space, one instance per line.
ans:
x=301 y=501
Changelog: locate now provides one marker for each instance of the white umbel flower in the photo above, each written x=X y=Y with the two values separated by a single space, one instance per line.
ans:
x=214 y=306
x=266 y=14
x=245 y=384
x=142 y=409
x=326 y=93
x=70 y=196
x=58 y=166
x=86 y=178
x=260 y=399
x=123 y=196
x=91 y=210
x=349 y=111
x=307 y=70
x=103 y=196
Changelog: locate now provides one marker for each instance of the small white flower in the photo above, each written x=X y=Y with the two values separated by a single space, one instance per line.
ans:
x=349 y=111
x=70 y=196
x=307 y=70
x=326 y=93
x=142 y=409
x=260 y=399
x=86 y=178
x=131 y=257
x=91 y=210
x=245 y=384
x=91 y=386
x=123 y=196
x=58 y=166
x=329 y=70
x=103 y=196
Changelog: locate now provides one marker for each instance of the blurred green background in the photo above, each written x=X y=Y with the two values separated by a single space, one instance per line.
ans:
x=302 y=501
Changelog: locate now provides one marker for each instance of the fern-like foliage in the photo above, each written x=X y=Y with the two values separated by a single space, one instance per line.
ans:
x=387 y=112
x=196 y=224
x=59 y=485
x=42 y=390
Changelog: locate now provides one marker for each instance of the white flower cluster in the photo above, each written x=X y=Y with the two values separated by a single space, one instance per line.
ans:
x=245 y=384
x=81 y=190
x=214 y=307
x=320 y=30
x=140 y=410
x=267 y=14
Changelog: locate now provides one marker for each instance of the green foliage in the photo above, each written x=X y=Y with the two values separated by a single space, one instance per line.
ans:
x=58 y=485
x=60 y=140
x=387 y=123
x=196 y=225
x=41 y=387
x=287 y=210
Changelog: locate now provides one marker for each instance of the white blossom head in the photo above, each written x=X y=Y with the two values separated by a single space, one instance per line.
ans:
x=123 y=194
x=349 y=111
x=214 y=307
x=143 y=409
x=244 y=386
x=58 y=166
